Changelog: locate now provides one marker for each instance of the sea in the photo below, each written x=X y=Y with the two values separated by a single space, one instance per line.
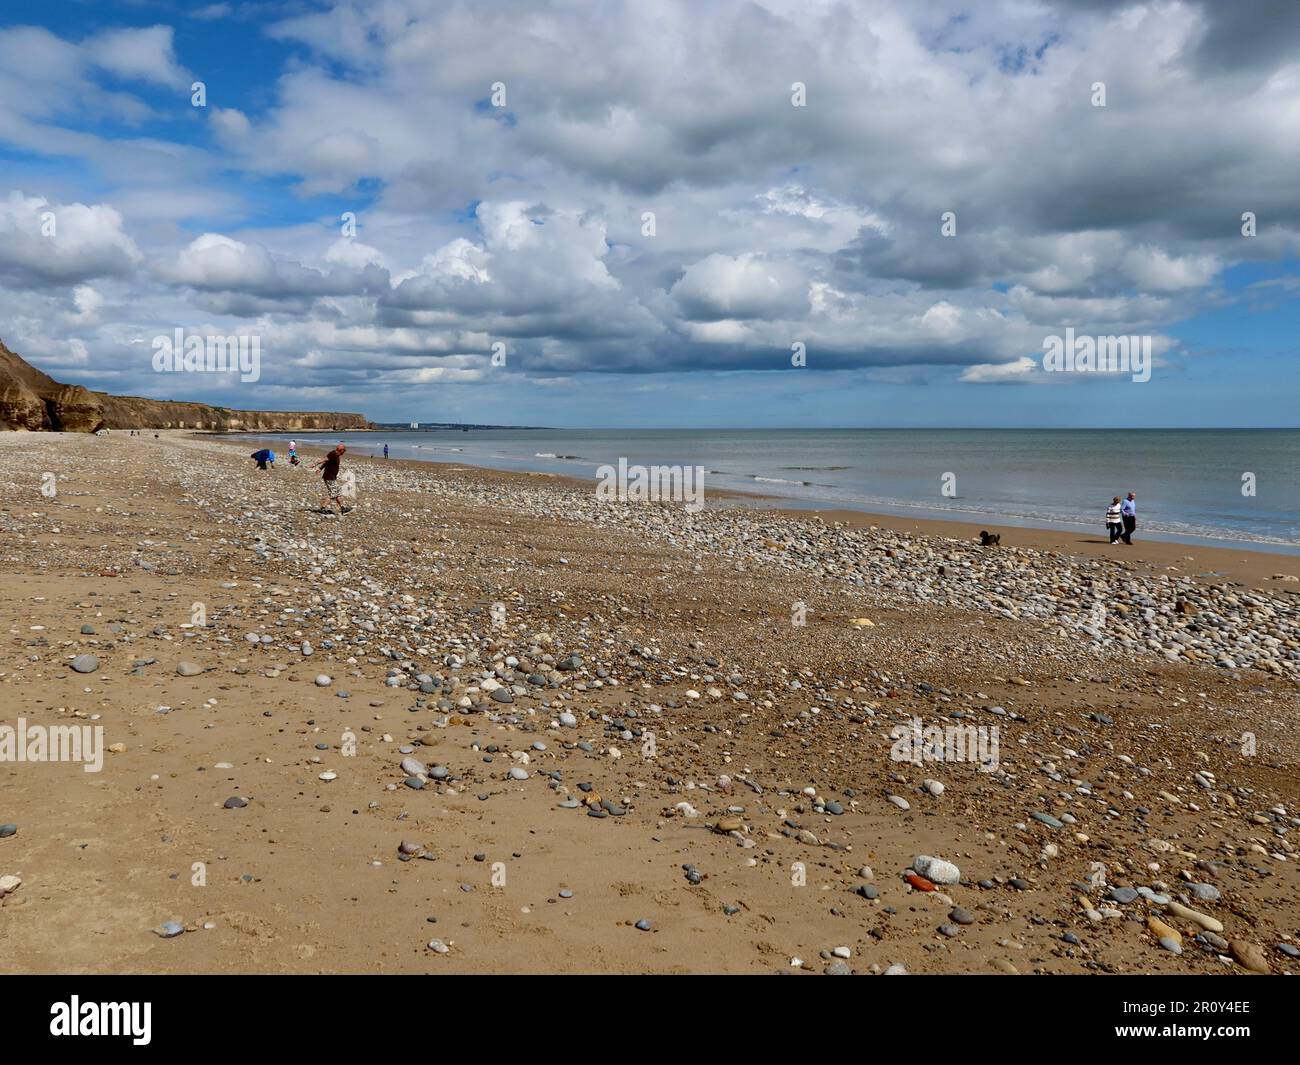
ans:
x=1227 y=487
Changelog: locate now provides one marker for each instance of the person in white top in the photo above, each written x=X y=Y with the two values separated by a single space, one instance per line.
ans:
x=1115 y=520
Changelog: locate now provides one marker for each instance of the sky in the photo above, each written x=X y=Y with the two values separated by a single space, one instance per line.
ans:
x=661 y=214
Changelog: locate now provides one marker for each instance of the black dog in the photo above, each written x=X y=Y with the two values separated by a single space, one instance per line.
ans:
x=988 y=539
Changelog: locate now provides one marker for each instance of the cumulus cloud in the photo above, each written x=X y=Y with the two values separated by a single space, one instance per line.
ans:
x=42 y=243
x=771 y=224
x=743 y=286
x=216 y=263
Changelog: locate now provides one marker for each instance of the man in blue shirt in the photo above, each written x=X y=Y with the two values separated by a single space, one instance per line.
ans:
x=1129 y=511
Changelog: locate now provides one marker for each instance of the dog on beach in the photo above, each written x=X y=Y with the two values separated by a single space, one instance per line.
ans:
x=988 y=539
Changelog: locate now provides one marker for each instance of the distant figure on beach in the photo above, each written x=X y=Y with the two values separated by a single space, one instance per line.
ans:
x=385 y=451
x=1129 y=512
x=329 y=466
x=1114 y=520
x=293 y=451
x=263 y=458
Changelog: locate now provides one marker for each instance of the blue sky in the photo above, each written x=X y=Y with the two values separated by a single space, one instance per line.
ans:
x=518 y=225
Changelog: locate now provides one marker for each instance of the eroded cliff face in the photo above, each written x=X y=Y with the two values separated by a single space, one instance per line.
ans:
x=131 y=412
x=32 y=400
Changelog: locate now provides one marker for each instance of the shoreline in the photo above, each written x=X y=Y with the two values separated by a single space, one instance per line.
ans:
x=1254 y=567
x=900 y=511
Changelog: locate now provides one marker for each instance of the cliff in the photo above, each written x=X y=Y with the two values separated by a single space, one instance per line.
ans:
x=32 y=400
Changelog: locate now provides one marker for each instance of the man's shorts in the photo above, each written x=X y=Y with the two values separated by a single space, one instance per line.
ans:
x=332 y=489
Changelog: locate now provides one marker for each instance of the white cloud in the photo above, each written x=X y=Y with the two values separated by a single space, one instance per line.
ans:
x=1018 y=371
x=44 y=243
x=750 y=285
x=139 y=54
x=1156 y=270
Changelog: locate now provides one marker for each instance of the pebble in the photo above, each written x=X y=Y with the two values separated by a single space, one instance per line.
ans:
x=1123 y=895
x=236 y=802
x=643 y=925
x=936 y=870
x=961 y=916
x=1162 y=931
x=169 y=929
x=1248 y=956
x=7 y=830
x=899 y=801
x=9 y=884
x=85 y=663
x=188 y=669
x=1210 y=924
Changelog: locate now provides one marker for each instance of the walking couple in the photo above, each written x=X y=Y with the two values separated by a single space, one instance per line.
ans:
x=1122 y=519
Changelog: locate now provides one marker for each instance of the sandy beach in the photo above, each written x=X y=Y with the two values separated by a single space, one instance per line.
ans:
x=485 y=724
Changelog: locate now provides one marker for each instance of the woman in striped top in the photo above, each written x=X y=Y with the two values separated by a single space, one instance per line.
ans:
x=1115 y=520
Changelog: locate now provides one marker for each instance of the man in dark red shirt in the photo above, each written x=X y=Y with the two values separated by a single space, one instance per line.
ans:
x=329 y=467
